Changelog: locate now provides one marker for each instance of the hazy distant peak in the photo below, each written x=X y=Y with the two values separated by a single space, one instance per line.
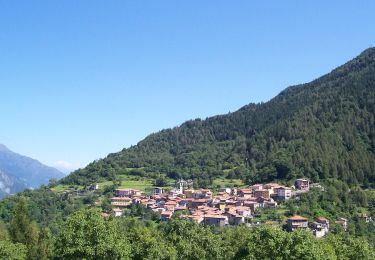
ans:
x=20 y=172
x=3 y=148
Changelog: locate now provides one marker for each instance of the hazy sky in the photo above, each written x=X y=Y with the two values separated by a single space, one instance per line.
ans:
x=80 y=79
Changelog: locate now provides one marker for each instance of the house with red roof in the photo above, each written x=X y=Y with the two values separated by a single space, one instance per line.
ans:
x=297 y=222
x=121 y=201
x=166 y=215
x=215 y=220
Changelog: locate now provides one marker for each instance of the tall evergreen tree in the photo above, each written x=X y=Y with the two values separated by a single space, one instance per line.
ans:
x=20 y=225
x=22 y=230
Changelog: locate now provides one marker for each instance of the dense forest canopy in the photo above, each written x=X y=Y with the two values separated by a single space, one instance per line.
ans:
x=320 y=130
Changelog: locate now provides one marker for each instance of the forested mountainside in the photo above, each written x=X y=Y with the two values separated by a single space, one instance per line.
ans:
x=322 y=129
x=18 y=172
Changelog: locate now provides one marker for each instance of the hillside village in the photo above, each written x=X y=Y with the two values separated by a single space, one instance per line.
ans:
x=229 y=206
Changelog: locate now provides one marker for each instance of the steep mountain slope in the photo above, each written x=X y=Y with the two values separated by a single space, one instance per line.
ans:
x=18 y=172
x=10 y=184
x=323 y=129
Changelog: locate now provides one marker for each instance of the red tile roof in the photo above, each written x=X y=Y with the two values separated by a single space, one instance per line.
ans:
x=215 y=216
x=297 y=218
x=167 y=213
x=121 y=198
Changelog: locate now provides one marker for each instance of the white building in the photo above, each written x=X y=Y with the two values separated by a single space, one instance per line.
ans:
x=117 y=212
x=284 y=193
x=320 y=227
x=226 y=190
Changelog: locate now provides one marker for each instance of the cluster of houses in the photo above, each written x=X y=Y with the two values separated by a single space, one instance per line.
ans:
x=230 y=206
x=320 y=227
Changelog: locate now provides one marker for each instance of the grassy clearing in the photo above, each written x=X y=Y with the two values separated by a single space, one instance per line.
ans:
x=141 y=184
x=228 y=183
x=137 y=184
x=281 y=210
x=61 y=188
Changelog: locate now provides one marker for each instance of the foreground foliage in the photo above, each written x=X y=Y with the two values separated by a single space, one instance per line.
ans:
x=86 y=234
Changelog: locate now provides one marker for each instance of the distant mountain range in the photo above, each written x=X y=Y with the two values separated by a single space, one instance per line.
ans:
x=18 y=172
x=321 y=130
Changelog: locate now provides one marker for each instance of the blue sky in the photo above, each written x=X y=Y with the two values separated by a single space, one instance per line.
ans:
x=81 y=79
